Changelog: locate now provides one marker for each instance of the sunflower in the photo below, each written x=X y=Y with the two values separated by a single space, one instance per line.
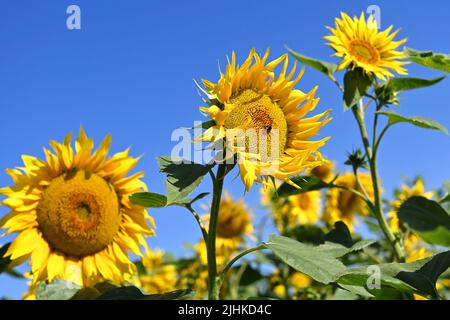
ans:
x=360 y=45
x=195 y=276
x=159 y=277
x=342 y=204
x=262 y=119
x=296 y=281
x=234 y=225
x=324 y=172
x=292 y=211
x=72 y=213
x=405 y=192
x=413 y=246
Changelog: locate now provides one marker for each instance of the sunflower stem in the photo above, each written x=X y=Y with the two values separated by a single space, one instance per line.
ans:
x=218 y=180
x=228 y=266
x=199 y=222
x=396 y=246
x=360 y=185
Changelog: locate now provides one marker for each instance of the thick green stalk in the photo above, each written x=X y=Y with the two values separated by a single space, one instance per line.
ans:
x=213 y=289
x=397 y=248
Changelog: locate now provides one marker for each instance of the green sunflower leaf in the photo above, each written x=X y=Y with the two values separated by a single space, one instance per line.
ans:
x=250 y=276
x=340 y=234
x=416 y=277
x=415 y=120
x=427 y=219
x=446 y=197
x=406 y=83
x=149 y=200
x=356 y=290
x=156 y=200
x=188 y=201
x=424 y=279
x=360 y=276
x=319 y=262
x=356 y=85
x=4 y=262
x=56 y=290
x=134 y=293
x=204 y=125
x=439 y=61
x=327 y=68
x=321 y=266
x=182 y=177
x=306 y=184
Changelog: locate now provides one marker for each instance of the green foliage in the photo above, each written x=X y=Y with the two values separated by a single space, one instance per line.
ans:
x=149 y=199
x=305 y=233
x=56 y=290
x=386 y=95
x=319 y=262
x=182 y=177
x=4 y=262
x=415 y=120
x=425 y=278
x=406 y=83
x=250 y=276
x=63 y=290
x=134 y=293
x=340 y=234
x=356 y=85
x=208 y=124
x=416 y=277
x=320 y=266
x=91 y=293
x=323 y=265
x=306 y=184
x=427 y=219
x=446 y=197
x=155 y=200
x=359 y=277
x=357 y=159
x=326 y=68
x=439 y=61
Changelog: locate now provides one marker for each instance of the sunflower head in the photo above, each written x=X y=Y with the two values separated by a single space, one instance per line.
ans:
x=195 y=276
x=300 y=280
x=159 y=277
x=415 y=249
x=262 y=119
x=324 y=172
x=360 y=44
x=234 y=225
x=294 y=282
x=418 y=254
x=404 y=193
x=234 y=220
x=344 y=205
x=293 y=211
x=72 y=213
x=225 y=249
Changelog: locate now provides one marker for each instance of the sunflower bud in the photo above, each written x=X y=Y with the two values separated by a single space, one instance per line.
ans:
x=386 y=94
x=356 y=159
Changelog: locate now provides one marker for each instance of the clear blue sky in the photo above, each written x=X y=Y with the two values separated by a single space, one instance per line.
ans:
x=129 y=72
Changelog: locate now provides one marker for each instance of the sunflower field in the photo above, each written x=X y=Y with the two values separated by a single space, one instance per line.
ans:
x=273 y=200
